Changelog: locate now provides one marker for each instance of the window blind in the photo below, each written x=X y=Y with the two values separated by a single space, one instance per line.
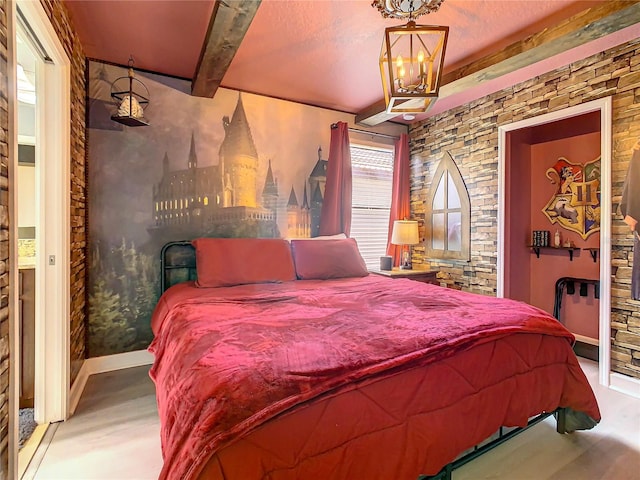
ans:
x=372 y=172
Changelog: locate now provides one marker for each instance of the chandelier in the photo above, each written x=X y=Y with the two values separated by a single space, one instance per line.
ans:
x=406 y=8
x=412 y=56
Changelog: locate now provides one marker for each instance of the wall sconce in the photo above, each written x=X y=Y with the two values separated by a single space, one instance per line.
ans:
x=131 y=97
x=405 y=232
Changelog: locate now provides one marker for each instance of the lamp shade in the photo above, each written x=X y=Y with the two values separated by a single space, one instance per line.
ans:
x=405 y=232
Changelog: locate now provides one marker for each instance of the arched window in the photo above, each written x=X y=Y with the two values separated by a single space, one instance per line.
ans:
x=448 y=218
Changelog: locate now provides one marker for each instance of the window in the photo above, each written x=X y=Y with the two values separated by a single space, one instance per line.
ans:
x=448 y=214
x=372 y=172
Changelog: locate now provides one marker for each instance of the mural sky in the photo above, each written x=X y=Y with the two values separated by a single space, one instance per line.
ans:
x=126 y=163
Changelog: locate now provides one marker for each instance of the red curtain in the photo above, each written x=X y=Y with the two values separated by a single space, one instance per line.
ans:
x=400 y=204
x=335 y=216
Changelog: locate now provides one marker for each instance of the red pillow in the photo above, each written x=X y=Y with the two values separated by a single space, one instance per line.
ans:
x=223 y=262
x=322 y=259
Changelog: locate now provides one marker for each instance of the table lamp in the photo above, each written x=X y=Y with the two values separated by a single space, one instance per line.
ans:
x=405 y=232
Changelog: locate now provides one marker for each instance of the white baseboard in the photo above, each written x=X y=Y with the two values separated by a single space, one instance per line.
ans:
x=119 y=361
x=108 y=363
x=77 y=388
x=624 y=384
x=589 y=340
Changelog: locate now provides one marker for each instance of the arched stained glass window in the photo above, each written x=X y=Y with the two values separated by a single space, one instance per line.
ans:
x=448 y=218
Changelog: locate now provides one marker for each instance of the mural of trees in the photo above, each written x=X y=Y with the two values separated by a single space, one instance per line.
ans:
x=120 y=321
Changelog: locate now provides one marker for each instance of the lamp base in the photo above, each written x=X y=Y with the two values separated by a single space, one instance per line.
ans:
x=406 y=260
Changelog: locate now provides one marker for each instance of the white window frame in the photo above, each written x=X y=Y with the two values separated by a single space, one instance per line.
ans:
x=372 y=238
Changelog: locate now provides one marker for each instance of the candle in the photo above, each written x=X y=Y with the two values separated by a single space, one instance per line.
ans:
x=421 y=64
x=399 y=69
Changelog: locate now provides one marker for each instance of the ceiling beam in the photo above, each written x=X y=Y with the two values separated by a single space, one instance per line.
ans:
x=586 y=26
x=229 y=22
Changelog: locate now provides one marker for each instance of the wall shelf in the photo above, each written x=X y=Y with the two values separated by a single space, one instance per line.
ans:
x=537 y=249
x=594 y=253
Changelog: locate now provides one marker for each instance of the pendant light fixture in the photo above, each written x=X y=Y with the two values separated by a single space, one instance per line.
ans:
x=412 y=56
x=131 y=96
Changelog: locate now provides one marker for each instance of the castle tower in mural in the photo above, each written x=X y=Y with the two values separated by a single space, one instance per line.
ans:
x=270 y=193
x=298 y=216
x=238 y=160
x=317 y=182
x=303 y=218
x=219 y=200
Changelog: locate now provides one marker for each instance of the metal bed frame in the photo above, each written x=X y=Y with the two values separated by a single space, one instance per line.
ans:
x=478 y=450
x=178 y=264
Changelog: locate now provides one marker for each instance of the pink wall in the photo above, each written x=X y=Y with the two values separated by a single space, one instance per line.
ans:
x=517 y=215
x=528 y=278
x=579 y=314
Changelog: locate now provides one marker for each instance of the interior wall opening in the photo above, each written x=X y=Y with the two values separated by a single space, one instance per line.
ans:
x=553 y=204
x=27 y=185
x=518 y=270
x=29 y=21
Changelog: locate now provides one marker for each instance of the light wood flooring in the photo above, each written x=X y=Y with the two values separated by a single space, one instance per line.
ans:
x=115 y=435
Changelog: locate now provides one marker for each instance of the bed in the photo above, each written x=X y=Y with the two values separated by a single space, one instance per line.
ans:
x=278 y=360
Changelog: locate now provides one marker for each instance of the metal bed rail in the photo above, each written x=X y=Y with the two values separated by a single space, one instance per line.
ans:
x=446 y=472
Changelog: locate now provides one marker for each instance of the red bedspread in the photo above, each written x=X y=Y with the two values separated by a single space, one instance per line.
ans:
x=228 y=359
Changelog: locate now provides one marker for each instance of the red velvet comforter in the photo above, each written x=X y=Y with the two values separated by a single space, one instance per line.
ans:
x=229 y=359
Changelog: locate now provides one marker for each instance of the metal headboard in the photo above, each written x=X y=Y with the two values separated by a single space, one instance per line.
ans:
x=177 y=263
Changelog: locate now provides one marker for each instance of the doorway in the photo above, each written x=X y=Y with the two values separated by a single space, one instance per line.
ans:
x=40 y=86
x=515 y=243
x=27 y=193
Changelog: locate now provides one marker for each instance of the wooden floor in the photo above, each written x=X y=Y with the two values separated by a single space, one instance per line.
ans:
x=115 y=435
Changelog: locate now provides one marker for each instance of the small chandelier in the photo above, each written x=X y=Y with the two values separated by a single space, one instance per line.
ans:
x=406 y=8
x=412 y=56
x=131 y=97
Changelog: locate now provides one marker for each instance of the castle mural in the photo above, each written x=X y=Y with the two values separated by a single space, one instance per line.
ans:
x=237 y=165
x=224 y=200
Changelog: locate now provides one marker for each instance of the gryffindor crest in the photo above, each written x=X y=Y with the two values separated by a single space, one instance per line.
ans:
x=576 y=203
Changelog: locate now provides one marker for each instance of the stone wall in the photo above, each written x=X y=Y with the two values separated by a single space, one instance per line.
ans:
x=61 y=22
x=4 y=247
x=470 y=134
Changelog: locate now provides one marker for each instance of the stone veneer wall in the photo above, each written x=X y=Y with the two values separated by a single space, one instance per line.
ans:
x=60 y=20
x=4 y=247
x=470 y=134
x=62 y=24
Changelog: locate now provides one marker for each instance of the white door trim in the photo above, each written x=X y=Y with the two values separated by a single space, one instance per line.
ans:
x=53 y=134
x=602 y=105
x=14 y=323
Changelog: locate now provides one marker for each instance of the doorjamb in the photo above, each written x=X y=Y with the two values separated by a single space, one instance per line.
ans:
x=52 y=333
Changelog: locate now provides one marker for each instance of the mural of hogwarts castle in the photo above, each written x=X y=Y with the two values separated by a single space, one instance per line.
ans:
x=237 y=165
x=225 y=200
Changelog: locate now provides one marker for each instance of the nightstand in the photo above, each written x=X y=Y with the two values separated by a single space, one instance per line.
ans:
x=420 y=275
